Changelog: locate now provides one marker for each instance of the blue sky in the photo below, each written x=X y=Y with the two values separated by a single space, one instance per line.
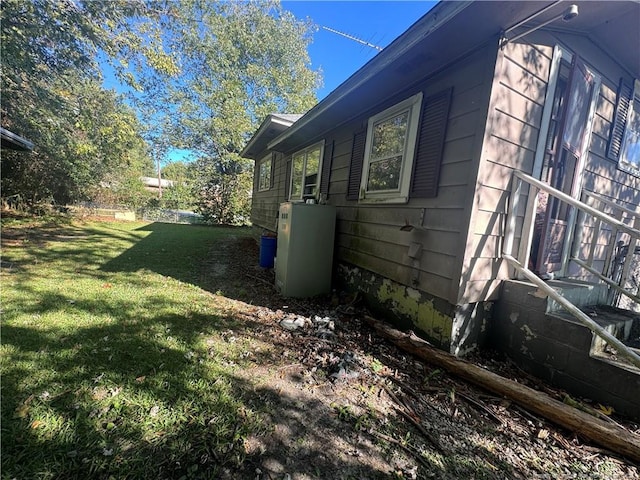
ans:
x=376 y=22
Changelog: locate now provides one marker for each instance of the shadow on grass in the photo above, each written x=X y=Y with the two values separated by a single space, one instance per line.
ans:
x=157 y=394
x=144 y=394
x=175 y=251
x=92 y=412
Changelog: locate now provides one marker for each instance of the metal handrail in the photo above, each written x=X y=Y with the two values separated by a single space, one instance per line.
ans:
x=582 y=317
x=619 y=211
x=516 y=191
x=583 y=207
x=611 y=203
x=576 y=203
x=606 y=280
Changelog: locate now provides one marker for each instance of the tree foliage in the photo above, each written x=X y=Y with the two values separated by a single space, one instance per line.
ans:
x=51 y=94
x=204 y=75
x=239 y=62
x=87 y=143
x=182 y=195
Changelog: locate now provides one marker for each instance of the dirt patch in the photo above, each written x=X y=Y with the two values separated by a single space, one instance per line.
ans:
x=337 y=401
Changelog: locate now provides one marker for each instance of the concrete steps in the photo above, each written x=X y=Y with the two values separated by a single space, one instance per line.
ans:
x=537 y=334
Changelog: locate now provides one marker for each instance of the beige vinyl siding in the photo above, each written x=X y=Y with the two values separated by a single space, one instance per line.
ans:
x=517 y=102
x=264 y=207
x=511 y=137
x=602 y=176
x=369 y=236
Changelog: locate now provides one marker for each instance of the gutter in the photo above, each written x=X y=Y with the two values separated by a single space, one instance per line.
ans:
x=270 y=119
x=430 y=22
x=16 y=141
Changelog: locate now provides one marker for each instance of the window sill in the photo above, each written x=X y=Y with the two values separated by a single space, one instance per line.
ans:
x=384 y=200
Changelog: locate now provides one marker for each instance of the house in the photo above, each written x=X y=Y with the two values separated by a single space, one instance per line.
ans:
x=271 y=181
x=153 y=184
x=431 y=150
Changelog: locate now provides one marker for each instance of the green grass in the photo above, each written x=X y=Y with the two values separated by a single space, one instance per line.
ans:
x=112 y=359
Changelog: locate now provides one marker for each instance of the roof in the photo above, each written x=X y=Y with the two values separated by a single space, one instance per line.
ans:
x=270 y=128
x=12 y=141
x=153 y=182
x=448 y=32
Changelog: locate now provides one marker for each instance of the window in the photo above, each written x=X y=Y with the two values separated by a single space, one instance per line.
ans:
x=305 y=172
x=630 y=152
x=389 y=152
x=264 y=173
x=417 y=178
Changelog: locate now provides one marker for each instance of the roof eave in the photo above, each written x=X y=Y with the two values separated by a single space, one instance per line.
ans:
x=264 y=126
x=434 y=19
x=15 y=142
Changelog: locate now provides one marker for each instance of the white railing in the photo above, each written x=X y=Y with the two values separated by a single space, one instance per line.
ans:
x=609 y=273
x=582 y=317
x=617 y=226
x=519 y=261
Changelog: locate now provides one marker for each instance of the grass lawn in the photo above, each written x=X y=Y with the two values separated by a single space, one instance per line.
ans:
x=114 y=361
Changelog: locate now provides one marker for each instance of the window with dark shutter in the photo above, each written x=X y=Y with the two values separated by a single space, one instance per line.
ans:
x=623 y=101
x=326 y=170
x=431 y=136
x=355 y=168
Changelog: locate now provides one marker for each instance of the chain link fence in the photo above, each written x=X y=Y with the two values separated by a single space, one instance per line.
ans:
x=120 y=212
x=171 y=216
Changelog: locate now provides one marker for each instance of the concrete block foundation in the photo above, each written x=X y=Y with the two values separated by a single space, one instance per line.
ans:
x=553 y=346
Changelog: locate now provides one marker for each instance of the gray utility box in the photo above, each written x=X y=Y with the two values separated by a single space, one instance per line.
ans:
x=304 y=258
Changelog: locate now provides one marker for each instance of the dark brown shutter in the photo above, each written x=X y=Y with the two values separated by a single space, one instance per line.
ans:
x=430 y=143
x=273 y=169
x=287 y=180
x=623 y=101
x=256 y=176
x=355 y=168
x=326 y=169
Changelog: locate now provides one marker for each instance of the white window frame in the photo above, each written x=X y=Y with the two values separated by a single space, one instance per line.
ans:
x=623 y=162
x=412 y=105
x=266 y=159
x=302 y=197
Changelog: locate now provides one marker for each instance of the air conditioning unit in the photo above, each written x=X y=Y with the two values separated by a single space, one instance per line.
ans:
x=305 y=249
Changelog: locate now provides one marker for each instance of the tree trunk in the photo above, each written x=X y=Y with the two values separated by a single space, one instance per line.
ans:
x=603 y=433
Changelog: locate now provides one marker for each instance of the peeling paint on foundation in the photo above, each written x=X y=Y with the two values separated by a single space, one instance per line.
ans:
x=404 y=306
x=457 y=329
x=469 y=328
x=528 y=333
x=406 y=301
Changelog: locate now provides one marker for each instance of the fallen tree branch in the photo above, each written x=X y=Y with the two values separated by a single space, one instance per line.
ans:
x=605 y=434
x=409 y=414
x=406 y=448
x=481 y=406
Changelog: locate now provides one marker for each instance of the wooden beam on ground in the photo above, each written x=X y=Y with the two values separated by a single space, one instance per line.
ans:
x=603 y=433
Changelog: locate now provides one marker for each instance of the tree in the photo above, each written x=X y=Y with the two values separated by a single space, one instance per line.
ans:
x=51 y=93
x=90 y=139
x=223 y=191
x=181 y=195
x=239 y=62
x=206 y=73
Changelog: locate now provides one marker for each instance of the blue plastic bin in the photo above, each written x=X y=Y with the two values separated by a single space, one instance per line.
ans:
x=267 y=251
